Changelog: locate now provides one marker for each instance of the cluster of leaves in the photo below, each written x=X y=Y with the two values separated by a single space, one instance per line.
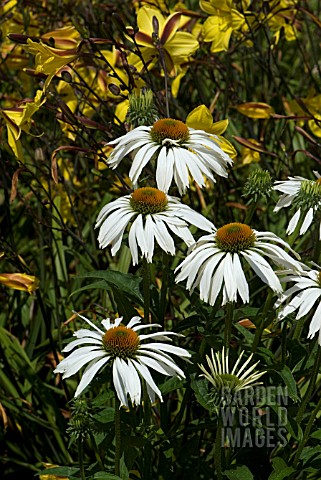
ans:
x=67 y=70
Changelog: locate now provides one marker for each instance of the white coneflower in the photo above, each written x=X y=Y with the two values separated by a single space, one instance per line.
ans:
x=215 y=263
x=181 y=151
x=304 y=196
x=129 y=354
x=154 y=216
x=304 y=296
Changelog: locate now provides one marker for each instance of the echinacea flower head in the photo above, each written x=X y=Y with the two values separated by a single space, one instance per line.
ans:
x=226 y=383
x=304 y=197
x=130 y=355
x=215 y=263
x=303 y=297
x=151 y=216
x=181 y=151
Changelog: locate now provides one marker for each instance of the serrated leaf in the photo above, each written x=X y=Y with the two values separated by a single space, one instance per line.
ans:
x=240 y=473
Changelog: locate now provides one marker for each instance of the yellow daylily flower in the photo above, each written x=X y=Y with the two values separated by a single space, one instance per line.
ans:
x=250 y=156
x=223 y=21
x=66 y=37
x=313 y=108
x=282 y=16
x=255 y=109
x=121 y=111
x=50 y=60
x=201 y=119
x=176 y=46
x=19 y=281
x=20 y=119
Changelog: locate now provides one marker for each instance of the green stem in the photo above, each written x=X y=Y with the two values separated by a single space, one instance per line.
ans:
x=162 y=59
x=250 y=212
x=218 y=449
x=283 y=343
x=298 y=329
x=147 y=423
x=229 y=309
x=311 y=386
x=306 y=433
x=146 y=289
x=81 y=460
x=261 y=324
x=163 y=292
x=117 y=437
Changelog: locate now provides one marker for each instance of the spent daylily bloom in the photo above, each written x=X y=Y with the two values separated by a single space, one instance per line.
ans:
x=129 y=354
x=152 y=215
x=50 y=60
x=215 y=262
x=303 y=297
x=181 y=151
x=19 y=281
x=176 y=46
x=304 y=197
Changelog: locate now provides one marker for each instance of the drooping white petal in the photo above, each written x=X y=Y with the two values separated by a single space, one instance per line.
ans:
x=307 y=221
x=119 y=383
x=91 y=370
x=144 y=372
x=293 y=222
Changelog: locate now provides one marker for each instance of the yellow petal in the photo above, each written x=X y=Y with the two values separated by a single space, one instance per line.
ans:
x=255 y=109
x=181 y=46
x=145 y=20
x=200 y=118
x=121 y=111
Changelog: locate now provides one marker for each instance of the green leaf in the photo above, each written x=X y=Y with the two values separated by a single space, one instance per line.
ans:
x=240 y=473
x=171 y=384
x=106 y=476
x=106 y=415
x=124 y=305
x=289 y=381
x=126 y=282
x=200 y=388
x=101 y=285
x=316 y=434
x=281 y=470
x=60 y=471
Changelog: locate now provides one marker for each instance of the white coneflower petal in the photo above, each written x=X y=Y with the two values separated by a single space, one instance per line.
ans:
x=216 y=262
x=304 y=196
x=303 y=297
x=180 y=151
x=153 y=215
x=129 y=354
